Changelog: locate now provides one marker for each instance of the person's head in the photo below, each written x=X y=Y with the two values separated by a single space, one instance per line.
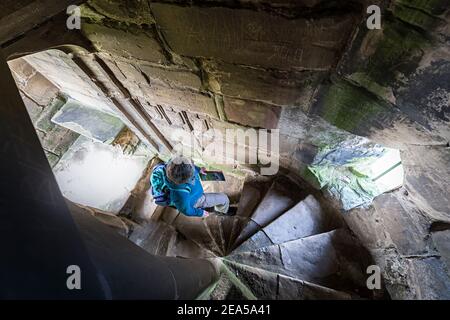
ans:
x=180 y=170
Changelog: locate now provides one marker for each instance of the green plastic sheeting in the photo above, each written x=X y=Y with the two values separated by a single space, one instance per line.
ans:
x=355 y=171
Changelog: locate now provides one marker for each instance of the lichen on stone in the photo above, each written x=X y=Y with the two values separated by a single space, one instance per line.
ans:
x=347 y=106
x=129 y=12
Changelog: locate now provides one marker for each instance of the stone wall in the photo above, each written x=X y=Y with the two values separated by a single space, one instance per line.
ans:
x=312 y=69
x=43 y=100
x=392 y=86
x=180 y=82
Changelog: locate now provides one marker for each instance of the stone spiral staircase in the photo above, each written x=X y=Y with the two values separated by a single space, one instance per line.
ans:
x=282 y=244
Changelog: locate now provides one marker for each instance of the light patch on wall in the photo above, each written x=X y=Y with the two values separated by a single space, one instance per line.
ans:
x=98 y=175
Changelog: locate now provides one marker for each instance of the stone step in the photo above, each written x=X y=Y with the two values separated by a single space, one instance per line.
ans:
x=120 y=224
x=266 y=285
x=281 y=196
x=305 y=219
x=250 y=198
x=186 y=248
x=157 y=212
x=333 y=259
x=197 y=230
x=214 y=226
x=168 y=215
x=154 y=237
x=225 y=289
x=162 y=239
x=141 y=232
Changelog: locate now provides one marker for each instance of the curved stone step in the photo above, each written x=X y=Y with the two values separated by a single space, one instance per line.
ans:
x=225 y=289
x=266 y=285
x=210 y=233
x=154 y=237
x=214 y=225
x=305 y=219
x=250 y=197
x=226 y=228
x=282 y=195
x=168 y=215
x=333 y=259
x=162 y=239
x=197 y=230
x=186 y=248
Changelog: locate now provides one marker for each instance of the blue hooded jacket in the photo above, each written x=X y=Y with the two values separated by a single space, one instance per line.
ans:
x=184 y=200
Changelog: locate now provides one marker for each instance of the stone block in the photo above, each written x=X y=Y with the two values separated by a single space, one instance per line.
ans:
x=52 y=158
x=295 y=123
x=130 y=77
x=406 y=227
x=226 y=290
x=368 y=225
x=34 y=110
x=251 y=113
x=172 y=78
x=41 y=90
x=181 y=99
x=273 y=87
x=352 y=109
x=21 y=70
x=261 y=283
x=75 y=83
x=58 y=140
x=295 y=289
x=43 y=122
x=132 y=43
x=431 y=280
x=174 y=117
x=426 y=178
x=441 y=240
x=65 y=142
x=254 y=37
x=134 y=12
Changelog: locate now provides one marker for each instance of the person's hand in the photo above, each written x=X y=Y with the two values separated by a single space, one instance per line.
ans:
x=205 y=214
x=203 y=171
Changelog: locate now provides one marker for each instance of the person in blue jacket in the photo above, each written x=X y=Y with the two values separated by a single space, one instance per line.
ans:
x=182 y=179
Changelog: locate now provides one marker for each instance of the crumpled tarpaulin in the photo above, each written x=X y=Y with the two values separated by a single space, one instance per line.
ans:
x=355 y=171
